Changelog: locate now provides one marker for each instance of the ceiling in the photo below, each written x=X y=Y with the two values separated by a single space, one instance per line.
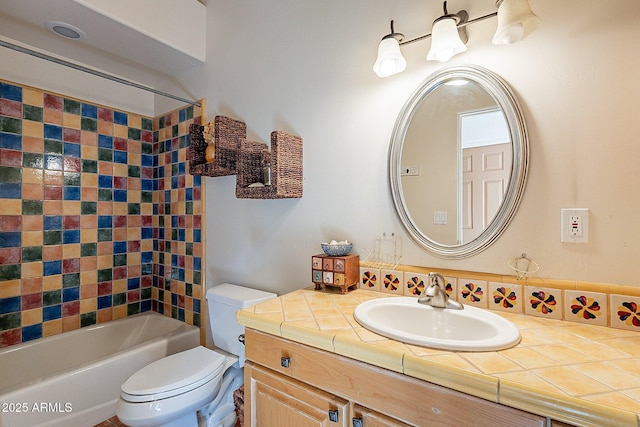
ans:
x=111 y=45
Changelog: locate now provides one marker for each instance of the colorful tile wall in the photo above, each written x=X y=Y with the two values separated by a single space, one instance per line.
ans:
x=81 y=188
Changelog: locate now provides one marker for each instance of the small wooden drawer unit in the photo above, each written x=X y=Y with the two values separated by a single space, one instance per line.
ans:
x=341 y=272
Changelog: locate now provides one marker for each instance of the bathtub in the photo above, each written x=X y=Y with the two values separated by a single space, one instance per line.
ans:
x=73 y=379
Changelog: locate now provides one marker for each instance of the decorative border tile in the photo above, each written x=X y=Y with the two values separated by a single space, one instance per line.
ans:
x=392 y=281
x=472 y=292
x=625 y=312
x=505 y=297
x=415 y=284
x=586 y=307
x=452 y=287
x=543 y=302
x=369 y=279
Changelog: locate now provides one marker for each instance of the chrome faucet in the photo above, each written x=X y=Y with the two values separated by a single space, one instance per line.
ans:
x=436 y=295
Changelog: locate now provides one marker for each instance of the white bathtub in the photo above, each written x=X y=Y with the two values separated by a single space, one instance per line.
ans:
x=73 y=379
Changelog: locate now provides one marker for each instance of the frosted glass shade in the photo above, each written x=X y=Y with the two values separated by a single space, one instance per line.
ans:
x=516 y=20
x=445 y=40
x=390 y=60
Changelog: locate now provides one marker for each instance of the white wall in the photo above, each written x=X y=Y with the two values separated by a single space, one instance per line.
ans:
x=305 y=67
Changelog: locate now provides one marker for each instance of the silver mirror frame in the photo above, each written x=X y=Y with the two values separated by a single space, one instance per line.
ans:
x=507 y=101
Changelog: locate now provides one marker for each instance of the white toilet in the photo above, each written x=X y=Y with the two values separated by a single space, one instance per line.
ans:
x=169 y=392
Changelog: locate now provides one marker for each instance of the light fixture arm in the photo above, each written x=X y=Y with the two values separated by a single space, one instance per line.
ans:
x=393 y=34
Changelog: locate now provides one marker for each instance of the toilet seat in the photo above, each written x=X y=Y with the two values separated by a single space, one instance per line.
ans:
x=173 y=375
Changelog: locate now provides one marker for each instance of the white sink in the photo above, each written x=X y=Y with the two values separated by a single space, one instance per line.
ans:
x=404 y=319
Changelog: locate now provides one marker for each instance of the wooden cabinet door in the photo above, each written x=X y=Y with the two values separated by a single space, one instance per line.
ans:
x=275 y=400
x=364 y=417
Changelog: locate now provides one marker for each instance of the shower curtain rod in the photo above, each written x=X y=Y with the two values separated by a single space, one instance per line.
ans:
x=94 y=72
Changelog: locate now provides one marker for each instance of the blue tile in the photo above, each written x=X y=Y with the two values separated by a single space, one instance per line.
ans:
x=105 y=221
x=10 y=239
x=71 y=294
x=147 y=257
x=133 y=283
x=120 y=157
x=197 y=180
x=104 y=302
x=174 y=156
x=11 y=190
x=197 y=236
x=147 y=161
x=119 y=195
x=196 y=305
x=147 y=185
x=51 y=312
x=182 y=168
x=189 y=194
x=105 y=141
x=71 y=193
x=197 y=263
x=145 y=305
x=32 y=332
x=181 y=314
x=53 y=132
x=10 y=141
x=70 y=236
x=182 y=115
x=174 y=182
x=120 y=118
x=181 y=235
x=51 y=268
x=53 y=222
x=147 y=233
x=119 y=247
x=9 y=305
x=72 y=149
x=11 y=92
x=105 y=181
x=89 y=110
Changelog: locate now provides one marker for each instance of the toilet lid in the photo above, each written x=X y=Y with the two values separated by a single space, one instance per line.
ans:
x=173 y=375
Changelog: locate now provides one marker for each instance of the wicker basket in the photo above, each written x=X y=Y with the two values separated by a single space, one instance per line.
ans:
x=227 y=134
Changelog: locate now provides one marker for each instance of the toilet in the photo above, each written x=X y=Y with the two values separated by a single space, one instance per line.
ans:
x=196 y=385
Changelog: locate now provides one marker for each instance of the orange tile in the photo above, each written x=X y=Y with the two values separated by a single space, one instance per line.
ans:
x=89 y=152
x=70 y=251
x=89 y=180
x=30 y=238
x=71 y=121
x=120 y=170
x=32 y=222
x=105 y=208
x=71 y=207
x=88 y=235
x=105 y=248
x=32 y=191
x=32 y=129
x=105 y=128
x=89 y=221
x=119 y=312
x=88 y=305
x=88 y=284
x=105 y=168
x=52 y=207
x=53 y=117
x=31 y=317
x=70 y=323
x=50 y=253
x=32 y=269
x=134 y=147
x=31 y=285
x=120 y=131
x=89 y=194
x=104 y=315
x=120 y=208
x=10 y=288
x=119 y=286
x=119 y=234
x=105 y=261
x=33 y=97
x=88 y=263
x=89 y=138
x=32 y=145
x=52 y=283
x=52 y=327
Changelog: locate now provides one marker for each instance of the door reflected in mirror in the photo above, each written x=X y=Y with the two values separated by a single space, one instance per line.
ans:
x=458 y=161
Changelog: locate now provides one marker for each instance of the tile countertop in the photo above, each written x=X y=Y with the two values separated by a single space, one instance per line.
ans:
x=580 y=374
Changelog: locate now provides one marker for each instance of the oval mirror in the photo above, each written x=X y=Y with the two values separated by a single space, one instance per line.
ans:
x=458 y=161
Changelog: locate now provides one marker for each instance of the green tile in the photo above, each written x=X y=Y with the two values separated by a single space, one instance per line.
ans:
x=90 y=166
x=134 y=171
x=72 y=179
x=105 y=275
x=10 y=174
x=70 y=280
x=190 y=112
x=188 y=206
x=105 y=195
x=119 y=299
x=87 y=319
x=10 y=272
x=134 y=134
x=31 y=254
x=88 y=208
x=104 y=234
x=147 y=148
x=188 y=289
x=10 y=125
x=33 y=113
x=145 y=293
x=196 y=278
x=105 y=154
x=32 y=207
x=133 y=208
x=147 y=268
x=196 y=319
x=52 y=146
x=147 y=197
x=71 y=106
x=119 y=260
x=147 y=124
x=52 y=237
x=189 y=248
x=32 y=160
x=10 y=321
x=174 y=131
x=89 y=249
x=133 y=308
x=88 y=124
x=182 y=141
x=51 y=298
x=174 y=170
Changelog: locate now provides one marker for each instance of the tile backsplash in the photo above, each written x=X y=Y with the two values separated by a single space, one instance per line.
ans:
x=590 y=303
x=98 y=219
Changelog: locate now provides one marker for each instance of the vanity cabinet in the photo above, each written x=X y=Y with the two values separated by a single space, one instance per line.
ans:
x=300 y=385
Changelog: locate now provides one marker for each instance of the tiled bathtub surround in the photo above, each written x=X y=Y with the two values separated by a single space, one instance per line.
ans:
x=589 y=303
x=97 y=217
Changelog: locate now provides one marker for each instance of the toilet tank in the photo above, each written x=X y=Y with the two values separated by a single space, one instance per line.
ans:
x=223 y=301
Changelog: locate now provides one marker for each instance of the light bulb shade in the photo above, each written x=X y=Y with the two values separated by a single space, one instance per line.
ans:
x=390 y=60
x=516 y=20
x=445 y=40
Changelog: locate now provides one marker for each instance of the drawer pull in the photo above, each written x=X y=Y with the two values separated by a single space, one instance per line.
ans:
x=285 y=362
x=333 y=415
x=357 y=422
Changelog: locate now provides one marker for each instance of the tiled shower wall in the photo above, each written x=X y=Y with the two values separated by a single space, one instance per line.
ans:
x=98 y=219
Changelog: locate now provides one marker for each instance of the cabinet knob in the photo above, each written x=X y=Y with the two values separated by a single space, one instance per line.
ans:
x=285 y=362
x=333 y=415
x=357 y=422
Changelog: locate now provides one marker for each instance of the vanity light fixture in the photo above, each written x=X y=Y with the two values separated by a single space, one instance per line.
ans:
x=516 y=20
